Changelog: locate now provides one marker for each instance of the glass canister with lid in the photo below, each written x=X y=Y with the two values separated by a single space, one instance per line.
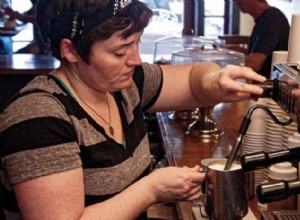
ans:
x=203 y=125
x=166 y=46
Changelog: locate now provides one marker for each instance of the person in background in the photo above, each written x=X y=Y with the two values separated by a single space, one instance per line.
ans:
x=5 y=42
x=37 y=46
x=74 y=143
x=5 y=45
x=270 y=33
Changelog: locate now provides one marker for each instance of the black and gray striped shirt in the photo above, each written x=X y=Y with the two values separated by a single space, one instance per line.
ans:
x=45 y=131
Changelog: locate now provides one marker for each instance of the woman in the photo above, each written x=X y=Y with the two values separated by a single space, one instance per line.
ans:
x=74 y=143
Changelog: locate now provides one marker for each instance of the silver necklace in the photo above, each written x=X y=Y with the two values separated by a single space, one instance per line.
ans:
x=110 y=127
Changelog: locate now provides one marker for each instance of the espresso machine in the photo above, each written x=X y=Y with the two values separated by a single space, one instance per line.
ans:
x=284 y=89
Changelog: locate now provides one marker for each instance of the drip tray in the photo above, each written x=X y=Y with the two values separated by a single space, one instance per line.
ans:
x=280 y=215
x=197 y=214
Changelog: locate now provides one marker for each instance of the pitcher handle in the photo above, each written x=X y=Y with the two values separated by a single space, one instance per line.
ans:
x=203 y=215
x=200 y=203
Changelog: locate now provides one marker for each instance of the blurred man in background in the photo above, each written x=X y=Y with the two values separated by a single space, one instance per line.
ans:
x=5 y=42
x=37 y=46
x=270 y=33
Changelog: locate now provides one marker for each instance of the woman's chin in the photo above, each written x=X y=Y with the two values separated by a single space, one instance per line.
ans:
x=124 y=84
x=127 y=82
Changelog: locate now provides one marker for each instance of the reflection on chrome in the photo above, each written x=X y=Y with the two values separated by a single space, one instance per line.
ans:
x=288 y=98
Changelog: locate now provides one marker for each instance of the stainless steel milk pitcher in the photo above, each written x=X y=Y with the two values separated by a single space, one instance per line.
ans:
x=225 y=191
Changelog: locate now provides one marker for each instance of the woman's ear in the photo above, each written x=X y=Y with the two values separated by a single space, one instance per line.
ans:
x=67 y=51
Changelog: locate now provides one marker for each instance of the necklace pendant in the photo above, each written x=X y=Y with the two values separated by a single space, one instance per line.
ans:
x=111 y=130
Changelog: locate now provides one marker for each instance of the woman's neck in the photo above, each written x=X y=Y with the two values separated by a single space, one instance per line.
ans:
x=79 y=88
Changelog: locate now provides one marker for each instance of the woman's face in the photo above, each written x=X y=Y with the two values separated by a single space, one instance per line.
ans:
x=112 y=63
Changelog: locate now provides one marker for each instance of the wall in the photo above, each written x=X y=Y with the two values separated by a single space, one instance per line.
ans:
x=246 y=24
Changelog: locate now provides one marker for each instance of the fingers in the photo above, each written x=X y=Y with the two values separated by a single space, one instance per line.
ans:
x=177 y=184
x=196 y=176
x=193 y=193
x=195 y=168
x=235 y=89
x=238 y=72
x=246 y=88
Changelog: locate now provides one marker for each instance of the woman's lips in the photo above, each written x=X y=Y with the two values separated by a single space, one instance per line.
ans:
x=128 y=74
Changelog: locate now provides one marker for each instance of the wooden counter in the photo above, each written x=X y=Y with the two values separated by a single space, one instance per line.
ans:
x=180 y=149
x=27 y=64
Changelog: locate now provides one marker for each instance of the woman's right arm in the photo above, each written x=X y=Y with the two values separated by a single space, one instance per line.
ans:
x=61 y=196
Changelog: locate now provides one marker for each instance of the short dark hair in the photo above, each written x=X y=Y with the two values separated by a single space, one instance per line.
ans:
x=133 y=18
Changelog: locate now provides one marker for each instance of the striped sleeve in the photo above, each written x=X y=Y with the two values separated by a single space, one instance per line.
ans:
x=148 y=79
x=36 y=129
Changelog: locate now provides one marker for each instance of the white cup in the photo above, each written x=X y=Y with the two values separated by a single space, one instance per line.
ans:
x=258 y=118
x=294 y=140
x=283 y=171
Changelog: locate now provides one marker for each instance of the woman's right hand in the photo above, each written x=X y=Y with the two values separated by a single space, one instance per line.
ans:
x=171 y=184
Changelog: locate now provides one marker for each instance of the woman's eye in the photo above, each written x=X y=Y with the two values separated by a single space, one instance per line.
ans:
x=119 y=54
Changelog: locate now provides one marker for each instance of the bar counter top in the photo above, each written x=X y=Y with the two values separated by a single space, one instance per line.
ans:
x=27 y=64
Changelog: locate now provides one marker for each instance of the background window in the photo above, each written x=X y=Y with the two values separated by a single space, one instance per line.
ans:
x=167 y=20
x=26 y=35
x=206 y=20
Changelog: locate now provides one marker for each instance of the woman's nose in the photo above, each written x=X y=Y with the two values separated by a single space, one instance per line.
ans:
x=134 y=57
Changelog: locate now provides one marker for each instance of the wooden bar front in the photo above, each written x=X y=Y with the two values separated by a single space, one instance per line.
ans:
x=183 y=150
x=16 y=70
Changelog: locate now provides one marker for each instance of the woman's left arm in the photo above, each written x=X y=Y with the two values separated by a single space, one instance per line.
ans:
x=204 y=84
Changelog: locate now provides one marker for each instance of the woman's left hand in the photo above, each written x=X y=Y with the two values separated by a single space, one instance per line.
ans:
x=231 y=83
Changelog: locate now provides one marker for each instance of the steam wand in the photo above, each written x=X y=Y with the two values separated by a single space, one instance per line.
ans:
x=244 y=127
